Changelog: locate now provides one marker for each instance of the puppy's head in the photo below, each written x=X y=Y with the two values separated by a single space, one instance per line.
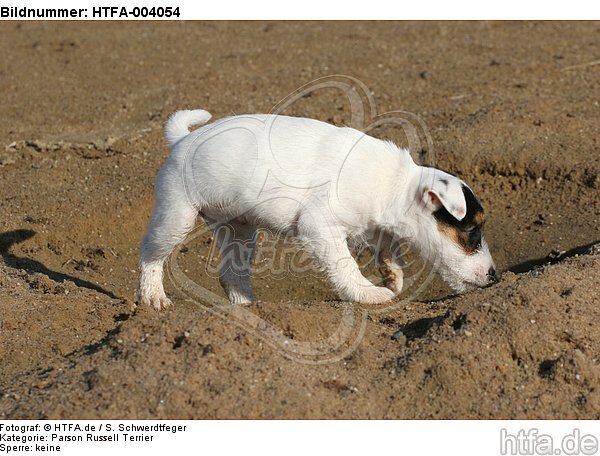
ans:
x=454 y=219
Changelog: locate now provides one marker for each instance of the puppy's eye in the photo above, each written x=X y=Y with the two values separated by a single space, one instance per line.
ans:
x=475 y=237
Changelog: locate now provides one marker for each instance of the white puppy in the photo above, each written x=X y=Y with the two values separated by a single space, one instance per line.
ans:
x=326 y=184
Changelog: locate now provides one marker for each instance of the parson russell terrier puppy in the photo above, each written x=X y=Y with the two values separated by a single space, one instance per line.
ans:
x=328 y=185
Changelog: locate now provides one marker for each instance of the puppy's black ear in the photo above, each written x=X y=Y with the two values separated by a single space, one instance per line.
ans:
x=444 y=190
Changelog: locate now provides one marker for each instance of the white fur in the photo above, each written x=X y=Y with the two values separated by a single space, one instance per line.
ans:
x=325 y=183
x=178 y=125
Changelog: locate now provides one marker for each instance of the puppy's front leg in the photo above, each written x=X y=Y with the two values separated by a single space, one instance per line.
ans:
x=331 y=250
x=389 y=262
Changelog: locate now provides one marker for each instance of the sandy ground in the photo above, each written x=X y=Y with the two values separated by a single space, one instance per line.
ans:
x=513 y=108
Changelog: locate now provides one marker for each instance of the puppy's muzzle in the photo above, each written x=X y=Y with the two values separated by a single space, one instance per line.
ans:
x=493 y=276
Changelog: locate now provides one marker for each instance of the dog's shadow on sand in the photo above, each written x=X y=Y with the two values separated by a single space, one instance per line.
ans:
x=10 y=238
x=530 y=265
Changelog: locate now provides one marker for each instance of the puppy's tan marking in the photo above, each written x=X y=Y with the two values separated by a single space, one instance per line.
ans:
x=456 y=236
x=391 y=274
x=463 y=239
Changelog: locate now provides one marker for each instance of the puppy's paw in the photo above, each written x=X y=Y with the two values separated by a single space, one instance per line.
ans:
x=392 y=277
x=376 y=295
x=158 y=301
x=161 y=303
x=238 y=291
x=237 y=297
x=394 y=283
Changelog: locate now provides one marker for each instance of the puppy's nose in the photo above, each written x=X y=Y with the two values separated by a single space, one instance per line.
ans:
x=492 y=275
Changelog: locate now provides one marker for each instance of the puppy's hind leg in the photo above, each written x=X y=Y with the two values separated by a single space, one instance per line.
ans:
x=173 y=218
x=237 y=245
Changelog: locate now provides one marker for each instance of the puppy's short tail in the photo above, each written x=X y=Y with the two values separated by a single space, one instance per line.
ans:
x=177 y=127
